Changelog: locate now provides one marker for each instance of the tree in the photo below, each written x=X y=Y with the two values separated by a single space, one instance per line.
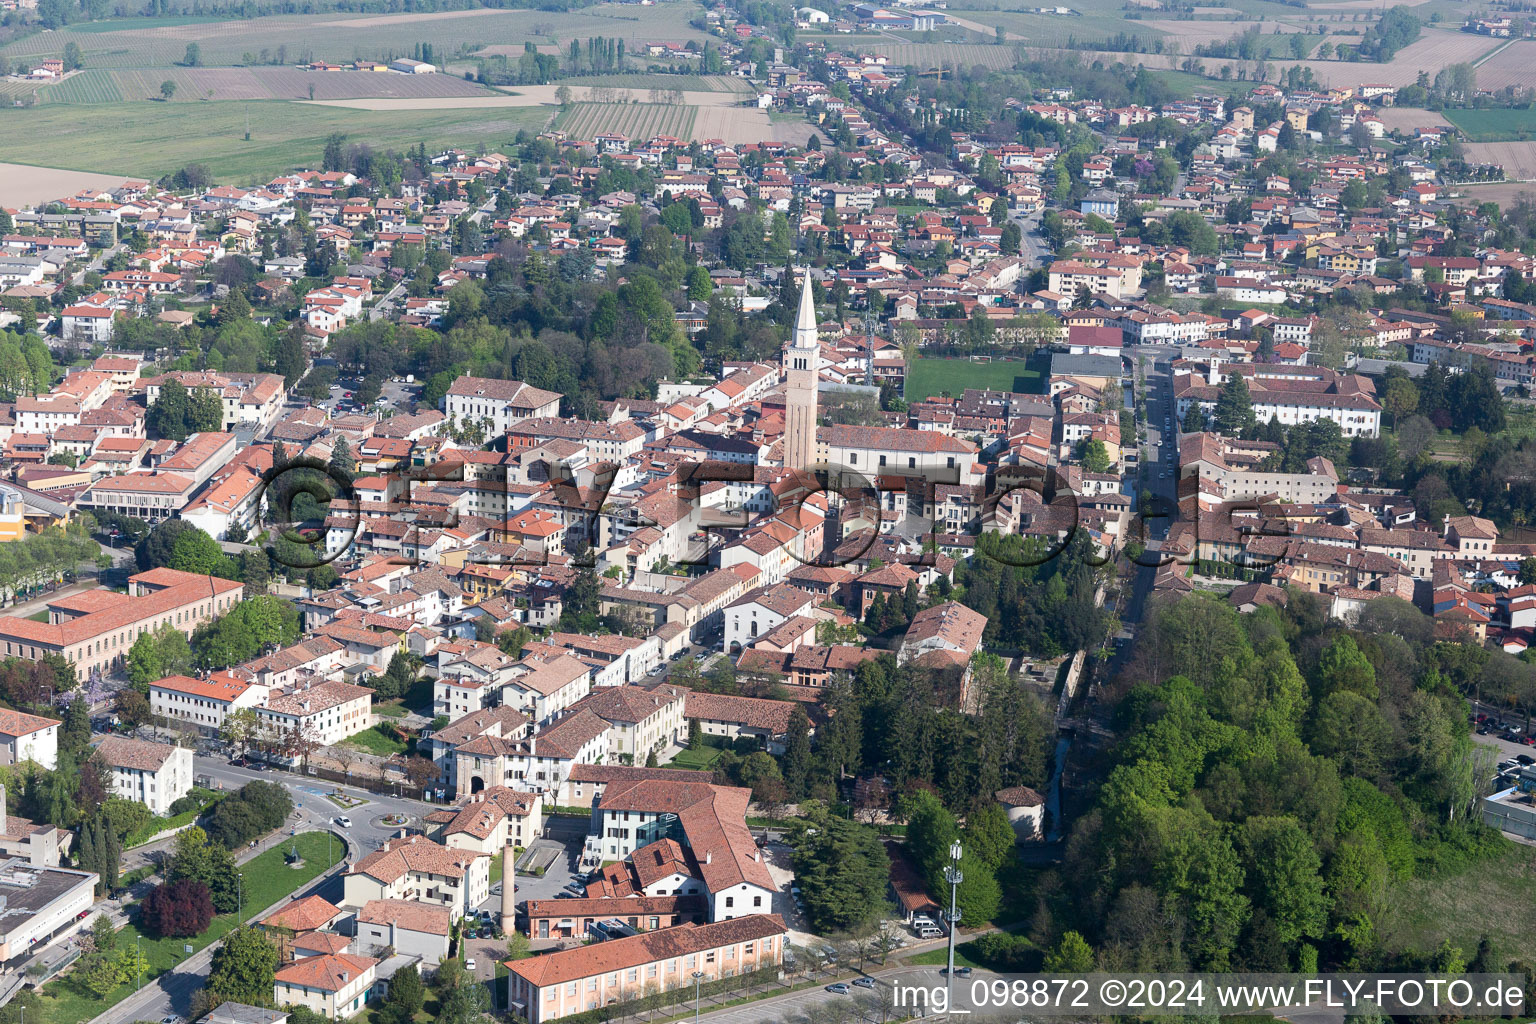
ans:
x=194 y=56
x=1011 y=239
x=243 y=968
x=989 y=835
x=978 y=897
x=1285 y=877
x=153 y=656
x=167 y=89
x=239 y=729
x=1071 y=955
x=842 y=868
x=73 y=57
x=178 y=909
x=931 y=831
x=1234 y=406
x=406 y=991
x=197 y=858
x=1096 y=457
x=341 y=458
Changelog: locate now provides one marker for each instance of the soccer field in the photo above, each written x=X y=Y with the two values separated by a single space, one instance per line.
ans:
x=936 y=376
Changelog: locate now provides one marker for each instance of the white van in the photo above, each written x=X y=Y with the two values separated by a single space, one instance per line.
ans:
x=929 y=931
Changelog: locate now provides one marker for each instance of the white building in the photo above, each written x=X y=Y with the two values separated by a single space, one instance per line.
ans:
x=204 y=703
x=154 y=774
x=326 y=713
x=418 y=870
x=334 y=985
x=498 y=403
x=26 y=737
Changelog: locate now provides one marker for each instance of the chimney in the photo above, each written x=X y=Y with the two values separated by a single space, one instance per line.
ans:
x=385 y=847
x=508 y=889
x=709 y=856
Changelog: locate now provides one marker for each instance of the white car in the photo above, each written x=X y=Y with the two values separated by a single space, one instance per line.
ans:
x=343 y=821
x=469 y=965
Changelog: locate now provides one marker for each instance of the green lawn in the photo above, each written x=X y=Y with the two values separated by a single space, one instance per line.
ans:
x=941 y=956
x=284 y=135
x=1483 y=900
x=268 y=878
x=41 y=616
x=695 y=760
x=376 y=741
x=935 y=376
x=1495 y=125
x=390 y=710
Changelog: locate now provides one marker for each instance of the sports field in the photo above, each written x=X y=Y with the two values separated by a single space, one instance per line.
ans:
x=936 y=376
x=147 y=139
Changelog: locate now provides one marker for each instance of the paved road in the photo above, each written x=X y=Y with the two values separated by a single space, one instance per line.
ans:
x=384 y=308
x=96 y=264
x=795 y=1005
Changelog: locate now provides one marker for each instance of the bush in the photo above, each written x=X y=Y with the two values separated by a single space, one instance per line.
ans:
x=185 y=804
x=258 y=808
x=179 y=909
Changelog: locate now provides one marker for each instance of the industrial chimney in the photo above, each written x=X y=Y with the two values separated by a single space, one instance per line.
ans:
x=508 y=890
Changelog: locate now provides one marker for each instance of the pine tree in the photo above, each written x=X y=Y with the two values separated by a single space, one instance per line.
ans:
x=795 y=765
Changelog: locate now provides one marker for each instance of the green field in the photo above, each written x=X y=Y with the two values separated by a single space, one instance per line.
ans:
x=376 y=741
x=935 y=376
x=339 y=37
x=695 y=760
x=1422 y=912
x=149 y=139
x=268 y=878
x=1495 y=125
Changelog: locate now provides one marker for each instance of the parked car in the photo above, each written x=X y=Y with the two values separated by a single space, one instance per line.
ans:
x=839 y=988
x=864 y=982
x=469 y=964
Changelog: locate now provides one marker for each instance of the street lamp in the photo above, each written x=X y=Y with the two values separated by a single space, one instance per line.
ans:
x=953 y=876
x=697 y=977
x=138 y=965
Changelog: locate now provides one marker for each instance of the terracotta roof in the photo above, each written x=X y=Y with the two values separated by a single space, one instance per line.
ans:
x=645 y=948
x=1019 y=796
x=303 y=915
x=752 y=712
x=329 y=973
x=415 y=917
x=122 y=752
x=19 y=723
x=714 y=820
x=399 y=857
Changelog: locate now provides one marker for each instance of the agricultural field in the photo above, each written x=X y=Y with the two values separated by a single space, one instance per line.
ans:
x=1502 y=192
x=1051 y=30
x=147 y=42
x=1406 y=119
x=26 y=186
x=1508 y=66
x=1517 y=158
x=930 y=55
x=928 y=377
x=637 y=120
x=260 y=83
x=641 y=83
x=1495 y=125
x=284 y=135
